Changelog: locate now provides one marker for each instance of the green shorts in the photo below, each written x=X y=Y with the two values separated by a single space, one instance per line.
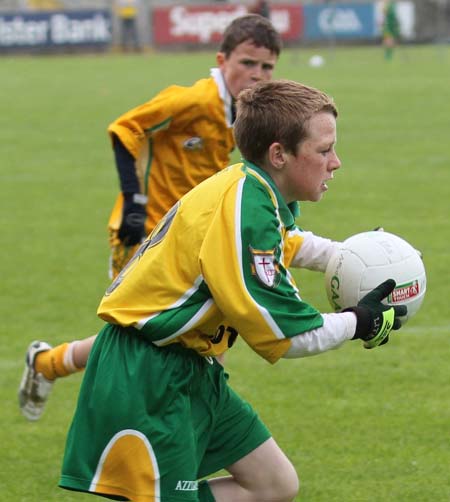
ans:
x=151 y=421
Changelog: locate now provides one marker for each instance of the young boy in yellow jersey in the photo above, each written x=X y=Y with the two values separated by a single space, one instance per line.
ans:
x=155 y=412
x=163 y=148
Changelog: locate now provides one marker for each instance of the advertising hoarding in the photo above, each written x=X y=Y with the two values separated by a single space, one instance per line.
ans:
x=50 y=30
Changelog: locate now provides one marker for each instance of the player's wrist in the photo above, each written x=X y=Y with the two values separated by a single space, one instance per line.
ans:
x=372 y=325
x=135 y=198
x=134 y=203
x=363 y=322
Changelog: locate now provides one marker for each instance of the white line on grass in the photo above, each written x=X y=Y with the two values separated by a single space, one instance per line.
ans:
x=427 y=329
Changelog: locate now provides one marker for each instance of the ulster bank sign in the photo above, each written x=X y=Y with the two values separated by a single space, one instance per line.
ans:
x=51 y=30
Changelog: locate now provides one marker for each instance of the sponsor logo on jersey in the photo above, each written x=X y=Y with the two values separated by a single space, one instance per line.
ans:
x=265 y=267
x=404 y=292
x=186 y=486
x=194 y=143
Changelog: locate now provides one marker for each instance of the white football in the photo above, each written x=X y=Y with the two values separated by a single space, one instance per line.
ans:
x=316 y=61
x=367 y=259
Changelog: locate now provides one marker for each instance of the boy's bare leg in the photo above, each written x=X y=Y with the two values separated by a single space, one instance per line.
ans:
x=81 y=351
x=263 y=475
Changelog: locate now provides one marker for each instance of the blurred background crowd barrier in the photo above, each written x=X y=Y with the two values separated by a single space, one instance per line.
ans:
x=101 y=25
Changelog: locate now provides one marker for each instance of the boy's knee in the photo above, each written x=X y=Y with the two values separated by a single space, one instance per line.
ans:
x=282 y=485
x=286 y=485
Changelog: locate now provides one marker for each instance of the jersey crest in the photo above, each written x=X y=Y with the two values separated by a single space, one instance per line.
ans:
x=265 y=267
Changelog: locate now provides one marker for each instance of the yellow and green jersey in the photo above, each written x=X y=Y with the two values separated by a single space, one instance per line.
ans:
x=217 y=266
x=391 y=25
x=178 y=139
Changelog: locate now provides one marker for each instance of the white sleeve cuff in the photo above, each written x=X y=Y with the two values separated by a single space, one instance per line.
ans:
x=336 y=329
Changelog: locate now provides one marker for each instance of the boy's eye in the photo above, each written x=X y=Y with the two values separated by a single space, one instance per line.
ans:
x=328 y=149
x=252 y=64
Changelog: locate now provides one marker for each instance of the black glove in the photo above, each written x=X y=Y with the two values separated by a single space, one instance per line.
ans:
x=374 y=319
x=132 y=228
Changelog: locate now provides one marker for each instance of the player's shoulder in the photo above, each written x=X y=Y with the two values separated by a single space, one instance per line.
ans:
x=200 y=95
x=258 y=182
x=198 y=91
x=205 y=92
x=221 y=184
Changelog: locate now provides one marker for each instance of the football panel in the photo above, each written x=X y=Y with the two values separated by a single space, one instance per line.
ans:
x=343 y=279
x=372 y=246
x=402 y=272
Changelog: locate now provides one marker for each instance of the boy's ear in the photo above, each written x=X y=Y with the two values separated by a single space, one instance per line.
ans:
x=220 y=58
x=277 y=155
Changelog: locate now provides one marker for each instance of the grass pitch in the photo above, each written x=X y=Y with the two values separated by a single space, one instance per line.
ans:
x=358 y=425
